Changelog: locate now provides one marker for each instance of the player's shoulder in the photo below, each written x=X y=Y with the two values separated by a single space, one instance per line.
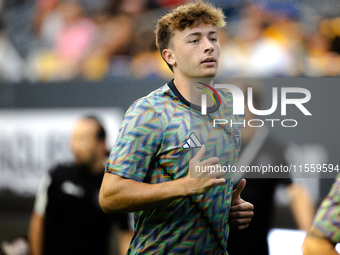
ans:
x=150 y=101
x=224 y=94
x=226 y=99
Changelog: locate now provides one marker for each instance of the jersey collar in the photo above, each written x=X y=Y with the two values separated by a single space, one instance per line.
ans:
x=210 y=109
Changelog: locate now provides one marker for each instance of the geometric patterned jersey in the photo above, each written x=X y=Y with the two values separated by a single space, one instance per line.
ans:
x=327 y=219
x=150 y=149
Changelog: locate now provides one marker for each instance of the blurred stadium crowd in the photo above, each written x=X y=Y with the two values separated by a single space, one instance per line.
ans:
x=57 y=40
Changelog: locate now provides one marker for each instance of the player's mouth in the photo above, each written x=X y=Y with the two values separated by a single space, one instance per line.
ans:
x=210 y=61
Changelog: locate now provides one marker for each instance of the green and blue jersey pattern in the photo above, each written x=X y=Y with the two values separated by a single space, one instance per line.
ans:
x=327 y=219
x=149 y=149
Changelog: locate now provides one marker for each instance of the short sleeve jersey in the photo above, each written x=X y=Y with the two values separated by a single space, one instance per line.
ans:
x=327 y=219
x=155 y=145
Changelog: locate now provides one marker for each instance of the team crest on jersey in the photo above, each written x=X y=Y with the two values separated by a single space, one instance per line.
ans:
x=236 y=139
x=192 y=142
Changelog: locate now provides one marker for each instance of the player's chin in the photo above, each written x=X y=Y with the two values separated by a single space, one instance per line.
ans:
x=208 y=72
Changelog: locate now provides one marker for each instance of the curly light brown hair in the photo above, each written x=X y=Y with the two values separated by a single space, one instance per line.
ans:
x=188 y=15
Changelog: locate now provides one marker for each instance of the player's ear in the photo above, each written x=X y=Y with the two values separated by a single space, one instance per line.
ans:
x=169 y=56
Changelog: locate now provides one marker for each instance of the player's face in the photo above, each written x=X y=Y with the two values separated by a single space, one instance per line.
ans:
x=84 y=142
x=196 y=51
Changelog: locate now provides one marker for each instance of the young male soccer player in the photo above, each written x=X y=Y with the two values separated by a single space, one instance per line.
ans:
x=149 y=168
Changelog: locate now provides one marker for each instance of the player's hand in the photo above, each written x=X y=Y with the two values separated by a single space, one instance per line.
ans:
x=241 y=211
x=200 y=182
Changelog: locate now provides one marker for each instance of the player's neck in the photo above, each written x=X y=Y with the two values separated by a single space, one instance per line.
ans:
x=182 y=84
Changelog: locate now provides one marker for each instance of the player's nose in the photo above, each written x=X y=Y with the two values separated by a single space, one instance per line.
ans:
x=208 y=46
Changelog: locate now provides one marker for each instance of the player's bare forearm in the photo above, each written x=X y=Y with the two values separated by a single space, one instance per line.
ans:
x=316 y=243
x=302 y=206
x=118 y=194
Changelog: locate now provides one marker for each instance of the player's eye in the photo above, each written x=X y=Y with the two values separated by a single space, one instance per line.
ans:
x=193 y=41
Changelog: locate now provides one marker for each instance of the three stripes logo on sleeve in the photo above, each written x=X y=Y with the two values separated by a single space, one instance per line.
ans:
x=192 y=142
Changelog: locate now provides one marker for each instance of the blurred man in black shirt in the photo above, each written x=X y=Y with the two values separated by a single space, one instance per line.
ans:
x=67 y=218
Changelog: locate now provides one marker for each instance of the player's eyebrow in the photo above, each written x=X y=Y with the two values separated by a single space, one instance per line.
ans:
x=199 y=33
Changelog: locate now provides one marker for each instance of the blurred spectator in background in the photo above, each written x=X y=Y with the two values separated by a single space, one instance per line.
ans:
x=67 y=218
x=260 y=148
x=114 y=39
x=325 y=231
x=47 y=22
x=323 y=49
x=266 y=44
x=69 y=35
x=99 y=39
x=11 y=63
x=148 y=62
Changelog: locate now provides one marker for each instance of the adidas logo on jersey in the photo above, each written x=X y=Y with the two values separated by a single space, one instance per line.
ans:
x=192 y=142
